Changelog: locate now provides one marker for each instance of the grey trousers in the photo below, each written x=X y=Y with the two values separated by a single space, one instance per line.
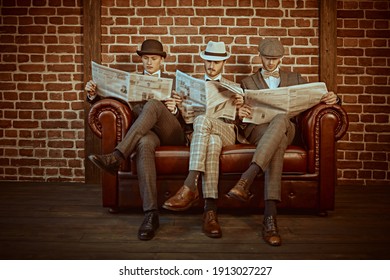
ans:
x=271 y=141
x=154 y=126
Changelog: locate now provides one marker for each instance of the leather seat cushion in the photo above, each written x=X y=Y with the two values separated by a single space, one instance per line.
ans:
x=174 y=160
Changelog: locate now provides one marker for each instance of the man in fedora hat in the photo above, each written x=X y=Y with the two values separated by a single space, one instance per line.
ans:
x=271 y=139
x=209 y=136
x=157 y=123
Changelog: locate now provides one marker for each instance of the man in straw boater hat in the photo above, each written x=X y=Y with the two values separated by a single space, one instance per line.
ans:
x=271 y=139
x=209 y=136
x=157 y=123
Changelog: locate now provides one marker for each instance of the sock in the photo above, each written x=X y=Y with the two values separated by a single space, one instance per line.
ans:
x=210 y=204
x=251 y=173
x=192 y=180
x=151 y=211
x=118 y=155
x=270 y=208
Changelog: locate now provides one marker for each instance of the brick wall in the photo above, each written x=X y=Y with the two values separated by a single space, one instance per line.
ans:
x=364 y=82
x=41 y=70
x=41 y=116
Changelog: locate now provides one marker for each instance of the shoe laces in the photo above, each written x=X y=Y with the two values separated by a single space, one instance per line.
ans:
x=243 y=183
x=211 y=216
x=148 y=218
x=270 y=223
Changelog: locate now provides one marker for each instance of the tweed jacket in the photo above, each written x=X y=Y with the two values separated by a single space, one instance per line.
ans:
x=256 y=81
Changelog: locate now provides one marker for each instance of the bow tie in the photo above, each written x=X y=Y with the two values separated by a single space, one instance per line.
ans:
x=267 y=74
x=212 y=80
x=153 y=75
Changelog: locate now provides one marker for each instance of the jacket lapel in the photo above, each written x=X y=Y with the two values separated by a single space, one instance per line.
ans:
x=259 y=80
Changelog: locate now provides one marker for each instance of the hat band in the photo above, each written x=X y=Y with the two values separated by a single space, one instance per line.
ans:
x=215 y=54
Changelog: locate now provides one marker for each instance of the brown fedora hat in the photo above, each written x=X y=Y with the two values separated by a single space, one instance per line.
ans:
x=151 y=46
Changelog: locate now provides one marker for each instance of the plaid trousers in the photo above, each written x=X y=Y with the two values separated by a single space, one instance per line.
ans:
x=208 y=138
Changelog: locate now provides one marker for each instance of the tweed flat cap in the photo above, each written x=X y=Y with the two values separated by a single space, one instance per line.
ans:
x=271 y=47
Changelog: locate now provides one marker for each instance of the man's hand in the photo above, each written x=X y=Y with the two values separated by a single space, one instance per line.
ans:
x=177 y=98
x=238 y=100
x=330 y=98
x=90 y=87
x=172 y=102
x=245 y=111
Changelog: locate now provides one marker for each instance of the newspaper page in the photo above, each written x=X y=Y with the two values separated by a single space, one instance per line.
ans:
x=193 y=93
x=292 y=100
x=129 y=87
x=211 y=98
x=220 y=98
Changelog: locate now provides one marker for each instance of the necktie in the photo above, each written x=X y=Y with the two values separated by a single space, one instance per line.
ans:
x=267 y=74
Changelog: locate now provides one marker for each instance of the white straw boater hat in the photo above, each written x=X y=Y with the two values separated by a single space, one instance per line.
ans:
x=215 y=51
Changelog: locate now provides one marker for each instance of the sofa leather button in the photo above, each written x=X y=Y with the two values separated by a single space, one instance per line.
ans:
x=167 y=194
x=291 y=194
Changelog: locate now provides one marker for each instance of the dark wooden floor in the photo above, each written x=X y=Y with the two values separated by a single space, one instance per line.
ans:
x=66 y=221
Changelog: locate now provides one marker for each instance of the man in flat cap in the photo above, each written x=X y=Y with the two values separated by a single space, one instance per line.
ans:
x=271 y=139
x=157 y=123
x=209 y=136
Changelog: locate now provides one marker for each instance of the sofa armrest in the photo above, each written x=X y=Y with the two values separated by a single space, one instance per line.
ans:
x=107 y=116
x=321 y=127
x=110 y=120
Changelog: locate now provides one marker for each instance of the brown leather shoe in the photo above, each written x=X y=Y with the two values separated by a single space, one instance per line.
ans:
x=240 y=191
x=182 y=200
x=210 y=225
x=270 y=231
x=106 y=162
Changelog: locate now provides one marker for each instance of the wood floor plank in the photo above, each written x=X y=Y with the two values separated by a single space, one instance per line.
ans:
x=66 y=221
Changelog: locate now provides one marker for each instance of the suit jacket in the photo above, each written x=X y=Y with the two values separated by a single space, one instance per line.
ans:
x=256 y=81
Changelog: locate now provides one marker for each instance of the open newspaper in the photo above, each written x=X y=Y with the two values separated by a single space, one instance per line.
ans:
x=292 y=100
x=129 y=87
x=211 y=98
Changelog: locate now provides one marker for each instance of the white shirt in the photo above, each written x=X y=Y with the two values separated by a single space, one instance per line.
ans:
x=157 y=74
x=272 y=82
x=206 y=77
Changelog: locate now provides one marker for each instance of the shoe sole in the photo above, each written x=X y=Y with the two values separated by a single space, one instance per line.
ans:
x=181 y=209
x=234 y=196
x=102 y=167
x=218 y=235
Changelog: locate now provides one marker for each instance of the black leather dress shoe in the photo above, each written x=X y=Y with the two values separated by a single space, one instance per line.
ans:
x=270 y=231
x=149 y=226
x=106 y=162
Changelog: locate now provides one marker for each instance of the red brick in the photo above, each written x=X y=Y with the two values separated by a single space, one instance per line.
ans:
x=240 y=12
x=180 y=12
x=209 y=12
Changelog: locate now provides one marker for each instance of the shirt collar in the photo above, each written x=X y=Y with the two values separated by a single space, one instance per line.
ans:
x=206 y=77
x=157 y=74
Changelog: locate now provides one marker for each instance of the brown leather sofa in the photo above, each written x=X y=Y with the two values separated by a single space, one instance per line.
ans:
x=309 y=171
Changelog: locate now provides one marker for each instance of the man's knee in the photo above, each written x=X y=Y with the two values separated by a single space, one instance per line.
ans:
x=153 y=104
x=200 y=120
x=146 y=144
